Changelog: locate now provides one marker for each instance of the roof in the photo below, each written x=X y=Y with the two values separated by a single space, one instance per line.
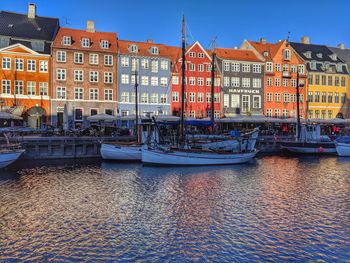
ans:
x=271 y=48
x=343 y=54
x=77 y=35
x=20 y=26
x=236 y=54
x=144 y=49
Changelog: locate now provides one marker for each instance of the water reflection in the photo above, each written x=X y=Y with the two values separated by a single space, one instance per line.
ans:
x=277 y=208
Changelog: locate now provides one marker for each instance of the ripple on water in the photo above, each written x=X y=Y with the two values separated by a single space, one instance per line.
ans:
x=276 y=209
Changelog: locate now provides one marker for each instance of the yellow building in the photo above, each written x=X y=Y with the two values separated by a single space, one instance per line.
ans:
x=328 y=81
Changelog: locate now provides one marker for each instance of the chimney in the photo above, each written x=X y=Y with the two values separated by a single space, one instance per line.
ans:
x=149 y=41
x=341 y=46
x=31 y=10
x=90 y=26
x=263 y=40
x=305 y=40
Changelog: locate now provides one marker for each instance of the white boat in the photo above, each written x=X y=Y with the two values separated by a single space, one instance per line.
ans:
x=161 y=157
x=8 y=156
x=342 y=145
x=121 y=152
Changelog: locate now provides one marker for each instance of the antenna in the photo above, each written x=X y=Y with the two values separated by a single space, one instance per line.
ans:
x=288 y=36
x=66 y=20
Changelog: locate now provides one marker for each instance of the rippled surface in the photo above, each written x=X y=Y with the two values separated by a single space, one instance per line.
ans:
x=277 y=209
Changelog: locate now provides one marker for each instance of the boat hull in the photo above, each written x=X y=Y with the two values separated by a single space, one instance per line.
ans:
x=309 y=147
x=6 y=158
x=121 y=153
x=188 y=158
x=343 y=149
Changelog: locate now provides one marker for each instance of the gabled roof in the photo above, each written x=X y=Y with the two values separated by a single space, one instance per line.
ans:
x=271 y=48
x=189 y=48
x=20 y=26
x=95 y=38
x=343 y=54
x=314 y=50
x=144 y=49
x=19 y=46
x=236 y=54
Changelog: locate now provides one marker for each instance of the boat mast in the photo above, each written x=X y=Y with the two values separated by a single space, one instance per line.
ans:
x=298 y=110
x=136 y=109
x=183 y=66
x=212 y=83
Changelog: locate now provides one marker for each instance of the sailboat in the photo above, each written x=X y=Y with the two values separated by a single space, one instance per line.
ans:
x=185 y=154
x=125 y=152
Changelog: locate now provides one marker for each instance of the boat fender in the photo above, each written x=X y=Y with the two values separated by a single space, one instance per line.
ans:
x=321 y=149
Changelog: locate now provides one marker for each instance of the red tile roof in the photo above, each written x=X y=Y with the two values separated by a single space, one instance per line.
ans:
x=95 y=38
x=237 y=54
x=271 y=48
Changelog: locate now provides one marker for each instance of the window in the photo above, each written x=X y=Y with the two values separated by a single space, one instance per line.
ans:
x=330 y=114
x=108 y=60
x=226 y=81
x=323 y=114
x=277 y=97
x=163 y=98
x=269 y=112
x=61 y=93
x=43 y=88
x=301 y=69
x=94 y=94
x=286 y=97
x=164 y=81
x=108 y=94
x=269 y=81
x=78 y=75
x=216 y=97
x=285 y=83
x=93 y=112
x=317 y=79
x=93 y=76
x=235 y=82
x=200 y=55
x=285 y=114
x=125 y=79
x=293 y=68
x=245 y=82
x=154 y=50
x=19 y=87
x=208 y=67
x=93 y=59
x=78 y=58
x=192 y=81
x=124 y=61
x=245 y=68
x=133 y=49
x=175 y=80
x=200 y=67
x=235 y=67
x=286 y=54
x=192 y=97
x=192 y=114
x=269 y=97
x=154 y=98
x=208 y=113
x=226 y=66
x=256 y=68
x=330 y=97
x=175 y=96
x=192 y=67
x=310 y=96
x=245 y=103
x=208 y=81
x=310 y=114
x=125 y=113
x=192 y=55
x=336 y=81
x=144 y=98
x=208 y=97
x=108 y=76
x=104 y=44
x=78 y=114
x=269 y=66
x=125 y=96
x=200 y=97
x=256 y=83
x=310 y=79
x=60 y=56
x=293 y=83
x=324 y=97
x=144 y=80
x=343 y=98
x=317 y=114
x=6 y=63
x=336 y=97
x=277 y=113
x=285 y=69
x=85 y=42
x=154 y=81
x=330 y=80
x=6 y=86
x=226 y=100
x=154 y=66
x=43 y=66
x=134 y=64
x=293 y=97
x=317 y=96
x=78 y=93
x=235 y=101
x=200 y=81
x=217 y=82
x=31 y=65
x=277 y=67
x=164 y=64
x=61 y=74
x=19 y=64
x=67 y=41
x=323 y=78
x=343 y=81
x=31 y=88
x=277 y=82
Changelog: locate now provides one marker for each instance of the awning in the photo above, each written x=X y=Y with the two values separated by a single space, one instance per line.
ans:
x=102 y=117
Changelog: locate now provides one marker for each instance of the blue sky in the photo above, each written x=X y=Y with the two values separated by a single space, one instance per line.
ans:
x=325 y=21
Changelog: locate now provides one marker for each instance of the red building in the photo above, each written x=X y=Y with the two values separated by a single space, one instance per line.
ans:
x=198 y=84
x=281 y=65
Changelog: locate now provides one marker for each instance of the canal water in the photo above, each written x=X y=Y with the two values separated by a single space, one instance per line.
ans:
x=275 y=209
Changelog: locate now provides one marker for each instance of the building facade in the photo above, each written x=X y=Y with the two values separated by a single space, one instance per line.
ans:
x=243 y=82
x=25 y=75
x=151 y=64
x=281 y=66
x=198 y=85
x=327 y=80
x=84 y=82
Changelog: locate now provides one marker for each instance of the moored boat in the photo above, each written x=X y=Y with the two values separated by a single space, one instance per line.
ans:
x=342 y=145
x=121 y=152
x=8 y=156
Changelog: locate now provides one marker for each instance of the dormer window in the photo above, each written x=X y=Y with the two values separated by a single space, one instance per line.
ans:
x=85 y=42
x=67 y=41
x=266 y=53
x=286 y=54
x=339 y=67
x=133 y=48
x=307 y=54
x=154 y=50
x=313 y=65
x=104 y=44
x=333 y=57
x=319 y=55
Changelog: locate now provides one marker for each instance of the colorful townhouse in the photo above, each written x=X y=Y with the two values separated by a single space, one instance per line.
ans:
x=198 y=84
x=150 y=64
x=327 y=80
x=25 y=75
x=282 y=63
x=344 y=54
x=84 y=64
x=243 y=81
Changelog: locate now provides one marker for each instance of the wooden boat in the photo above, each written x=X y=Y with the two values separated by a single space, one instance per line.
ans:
x=8 y=156
x=121 y=152
x=342 y=145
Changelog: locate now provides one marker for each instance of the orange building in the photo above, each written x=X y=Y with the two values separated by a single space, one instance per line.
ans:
x=280 y=82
